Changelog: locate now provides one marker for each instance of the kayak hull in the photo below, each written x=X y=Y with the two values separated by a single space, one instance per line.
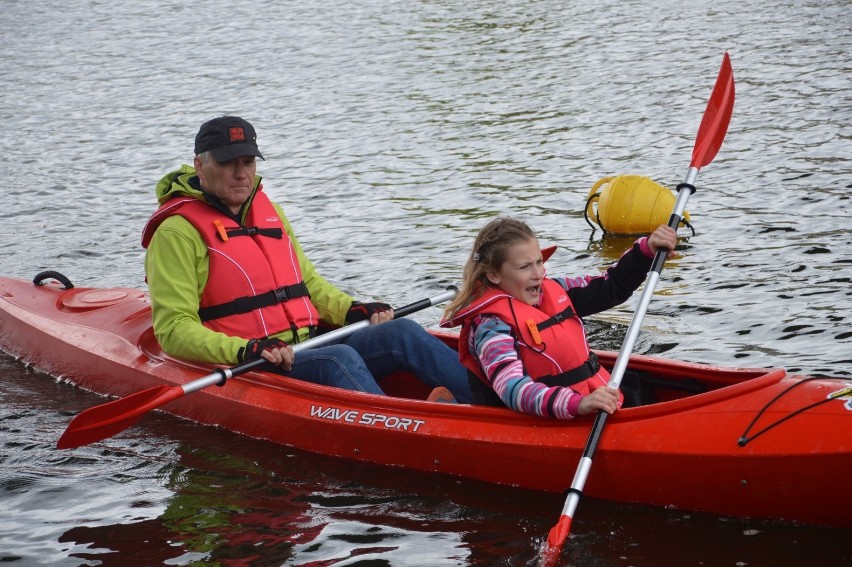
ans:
x=681 y=450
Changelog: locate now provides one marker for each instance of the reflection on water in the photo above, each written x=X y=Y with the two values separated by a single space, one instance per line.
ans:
x=393 y=132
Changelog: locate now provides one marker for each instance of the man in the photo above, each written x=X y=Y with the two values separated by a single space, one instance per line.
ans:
x=229 y=282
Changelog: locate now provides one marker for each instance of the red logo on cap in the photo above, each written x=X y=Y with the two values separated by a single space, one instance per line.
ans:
x=237 y=134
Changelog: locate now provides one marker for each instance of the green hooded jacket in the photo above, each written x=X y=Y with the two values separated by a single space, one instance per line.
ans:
x=177 y=267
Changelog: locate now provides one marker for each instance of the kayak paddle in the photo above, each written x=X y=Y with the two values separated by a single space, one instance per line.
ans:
x=106 y=420
x=711 y=133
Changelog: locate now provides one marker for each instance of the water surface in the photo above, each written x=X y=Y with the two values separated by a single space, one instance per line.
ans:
x=393 y=131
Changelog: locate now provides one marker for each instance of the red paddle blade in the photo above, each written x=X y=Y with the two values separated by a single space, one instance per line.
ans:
x=106 y=420
x=555 y=540
x=714 y=124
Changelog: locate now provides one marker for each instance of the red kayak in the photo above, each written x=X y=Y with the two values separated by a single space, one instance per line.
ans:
x=739 y=442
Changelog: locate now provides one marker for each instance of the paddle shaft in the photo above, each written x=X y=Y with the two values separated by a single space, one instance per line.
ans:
x=106 y=420
x=221 y=375
x=573 y=499
x=711 y=134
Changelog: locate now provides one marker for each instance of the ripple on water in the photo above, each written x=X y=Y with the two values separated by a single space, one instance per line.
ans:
x=393 y=131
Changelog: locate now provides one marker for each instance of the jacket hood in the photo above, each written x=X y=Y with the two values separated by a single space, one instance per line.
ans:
x=177 y=183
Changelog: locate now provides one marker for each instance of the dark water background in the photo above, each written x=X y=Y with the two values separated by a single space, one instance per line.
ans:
x=393 y=131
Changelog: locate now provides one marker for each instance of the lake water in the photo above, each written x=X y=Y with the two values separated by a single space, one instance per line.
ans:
x=393 y=131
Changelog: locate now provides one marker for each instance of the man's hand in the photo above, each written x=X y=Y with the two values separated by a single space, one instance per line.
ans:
x=272 y=350
x=376 y=312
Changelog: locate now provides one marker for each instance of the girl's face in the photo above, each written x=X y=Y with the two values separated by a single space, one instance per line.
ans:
x=522 y=273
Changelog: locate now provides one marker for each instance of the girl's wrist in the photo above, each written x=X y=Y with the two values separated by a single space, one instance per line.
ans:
x=645 y=248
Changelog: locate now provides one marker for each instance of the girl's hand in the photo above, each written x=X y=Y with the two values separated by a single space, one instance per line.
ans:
x=665 y=237
x=605 y=399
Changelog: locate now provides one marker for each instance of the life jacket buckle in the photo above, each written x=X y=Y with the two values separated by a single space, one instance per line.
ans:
x=282 y=294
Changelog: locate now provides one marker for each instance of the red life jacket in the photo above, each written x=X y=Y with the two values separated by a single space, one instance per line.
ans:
x=550 y=338
x=254 y=286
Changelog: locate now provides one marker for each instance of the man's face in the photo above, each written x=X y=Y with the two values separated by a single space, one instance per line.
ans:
x=231 y=181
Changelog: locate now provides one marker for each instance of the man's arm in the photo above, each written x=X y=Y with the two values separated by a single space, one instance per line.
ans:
x=176 y=268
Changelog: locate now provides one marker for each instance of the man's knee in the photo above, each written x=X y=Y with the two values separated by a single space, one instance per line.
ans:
x=405 y=327
x=409 y=325
x=344 y=355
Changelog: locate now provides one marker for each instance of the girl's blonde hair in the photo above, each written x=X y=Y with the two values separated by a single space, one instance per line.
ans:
x=490 y=251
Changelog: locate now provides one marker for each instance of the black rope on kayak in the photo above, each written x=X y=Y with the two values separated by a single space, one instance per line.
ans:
x=744 y=439
x=50 y=274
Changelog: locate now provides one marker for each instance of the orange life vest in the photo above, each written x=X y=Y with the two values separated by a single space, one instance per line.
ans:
x=550 y=338
x=254 y=286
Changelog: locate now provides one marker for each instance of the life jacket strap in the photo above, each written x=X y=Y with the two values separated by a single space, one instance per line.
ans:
x=556 y=319
x=570 y=377
x=294 y=331
x=250 y=303
x=254 y=231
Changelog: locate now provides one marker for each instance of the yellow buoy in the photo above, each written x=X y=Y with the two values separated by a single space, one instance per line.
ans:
x=630 y=204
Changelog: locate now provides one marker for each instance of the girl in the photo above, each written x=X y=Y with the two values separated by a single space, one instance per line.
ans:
x=521 y=333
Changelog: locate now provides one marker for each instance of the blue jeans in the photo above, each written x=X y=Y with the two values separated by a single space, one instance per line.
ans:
x=380 y=350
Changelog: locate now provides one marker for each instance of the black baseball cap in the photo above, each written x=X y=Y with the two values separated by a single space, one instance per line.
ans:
x=226 y=138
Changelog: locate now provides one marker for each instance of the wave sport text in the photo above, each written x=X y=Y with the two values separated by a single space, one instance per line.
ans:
x=376 y=419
